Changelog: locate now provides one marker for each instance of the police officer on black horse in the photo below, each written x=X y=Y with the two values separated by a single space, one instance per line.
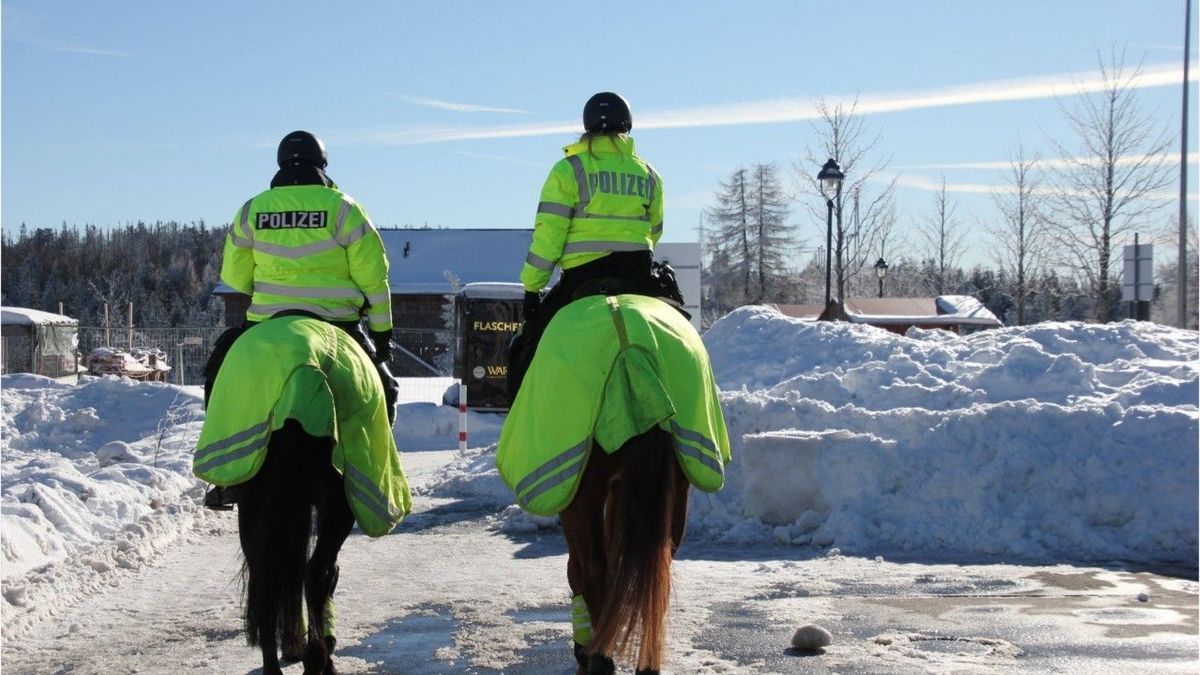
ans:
x=305 y=247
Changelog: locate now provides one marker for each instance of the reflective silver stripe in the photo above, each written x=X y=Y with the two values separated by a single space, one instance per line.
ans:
x=651 y=184
x=340 y=223
x=340 y=314
x=295 y=251
x=657 y=229
x=208 y=456
x=694 y=437
x=244 y=219
x=380 y=316
x=378 y=298
x=614 y=307
x=600 y=215
x=240 y=242
x=696 y=454
x=354 y=235
x=555 y=209
x=603 y=247
x=585 y=193
x=548 y=467
x=369 y=494
x=539 y=262
x=307 y=292
x=550 y=483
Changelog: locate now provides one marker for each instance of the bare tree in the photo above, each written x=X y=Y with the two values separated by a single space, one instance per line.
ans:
x=843 y=136
x=941 y=239
x=1103 y=189
x=1020 y=236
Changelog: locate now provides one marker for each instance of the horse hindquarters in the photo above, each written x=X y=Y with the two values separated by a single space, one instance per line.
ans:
x=641 y=535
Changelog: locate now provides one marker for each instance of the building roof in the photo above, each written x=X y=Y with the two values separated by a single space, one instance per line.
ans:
x=944 y=310
x=23 y=316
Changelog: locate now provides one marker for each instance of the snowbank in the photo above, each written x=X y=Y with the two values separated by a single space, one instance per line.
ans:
x=95 y=478
x=1062 y=440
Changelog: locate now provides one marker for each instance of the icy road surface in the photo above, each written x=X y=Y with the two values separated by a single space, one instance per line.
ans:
x=448 y=593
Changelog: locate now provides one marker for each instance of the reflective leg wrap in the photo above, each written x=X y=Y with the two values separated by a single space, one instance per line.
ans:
x=330 y=615
x=581 y=621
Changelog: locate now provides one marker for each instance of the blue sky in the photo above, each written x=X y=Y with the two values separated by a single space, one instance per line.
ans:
x=451 y=113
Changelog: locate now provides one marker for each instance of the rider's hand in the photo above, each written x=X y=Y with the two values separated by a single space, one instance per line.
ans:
x=529 y=308
x=383 y=345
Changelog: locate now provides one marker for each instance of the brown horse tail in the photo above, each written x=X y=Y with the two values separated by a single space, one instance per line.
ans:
x=638 y=541
x=276 y=545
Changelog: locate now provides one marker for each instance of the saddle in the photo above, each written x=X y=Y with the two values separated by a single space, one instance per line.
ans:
x=661 y=283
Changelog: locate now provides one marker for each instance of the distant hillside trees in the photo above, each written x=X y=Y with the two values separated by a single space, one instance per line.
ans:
x=167 y=270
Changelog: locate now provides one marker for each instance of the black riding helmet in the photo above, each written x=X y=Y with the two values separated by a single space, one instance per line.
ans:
x=607 y=112
x=301 y=147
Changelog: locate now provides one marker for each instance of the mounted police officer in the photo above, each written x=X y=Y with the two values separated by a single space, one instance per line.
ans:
x=599 y=218
x=305 y=247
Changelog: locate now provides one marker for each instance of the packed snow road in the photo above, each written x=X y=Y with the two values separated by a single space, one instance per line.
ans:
x=451 y=592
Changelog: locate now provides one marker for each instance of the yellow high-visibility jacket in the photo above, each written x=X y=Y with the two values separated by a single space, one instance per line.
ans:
x=606 y=370
x=598 y=199
x=300 y=368
x=312 y=248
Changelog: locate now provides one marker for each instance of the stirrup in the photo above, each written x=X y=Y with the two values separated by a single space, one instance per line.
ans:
x=219 y=499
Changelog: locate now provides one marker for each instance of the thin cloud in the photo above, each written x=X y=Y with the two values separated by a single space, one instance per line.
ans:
x=793 y=109
x=94 y=51
x=1055 y=163
x=498 y=158
x=458 y=107
x=930 y=184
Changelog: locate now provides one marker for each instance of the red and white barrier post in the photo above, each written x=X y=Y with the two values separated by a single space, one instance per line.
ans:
x=462 y=416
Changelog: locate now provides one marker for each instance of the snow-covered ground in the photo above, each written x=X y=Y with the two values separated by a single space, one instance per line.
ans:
x=1051 y=443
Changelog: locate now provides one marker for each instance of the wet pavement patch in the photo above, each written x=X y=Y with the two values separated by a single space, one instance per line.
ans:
x=410 y=643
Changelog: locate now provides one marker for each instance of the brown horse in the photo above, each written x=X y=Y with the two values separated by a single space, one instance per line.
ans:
x=622 y=530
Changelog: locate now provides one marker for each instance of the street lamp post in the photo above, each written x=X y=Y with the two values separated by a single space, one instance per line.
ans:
x=881 y=268
x=830 y=180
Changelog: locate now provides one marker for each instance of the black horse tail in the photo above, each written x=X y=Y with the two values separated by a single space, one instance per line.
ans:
x=279 y=536
x=639 y=529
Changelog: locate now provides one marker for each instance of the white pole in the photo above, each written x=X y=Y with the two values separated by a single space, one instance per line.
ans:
x=462 y=417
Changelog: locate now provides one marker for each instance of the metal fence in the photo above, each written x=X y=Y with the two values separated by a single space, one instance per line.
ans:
x=20 y=354
x=420 y=353
x=187 y=348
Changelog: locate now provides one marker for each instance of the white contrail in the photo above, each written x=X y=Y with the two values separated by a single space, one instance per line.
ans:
x=928 y=184
x=458 y=107
x=792 y=109
x=1057 y=162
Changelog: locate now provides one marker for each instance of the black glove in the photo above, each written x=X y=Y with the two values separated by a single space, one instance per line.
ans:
x=529 y=308
x=383 y=345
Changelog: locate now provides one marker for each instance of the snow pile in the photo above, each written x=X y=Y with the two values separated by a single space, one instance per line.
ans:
x=96 y=478
x=1061 y=440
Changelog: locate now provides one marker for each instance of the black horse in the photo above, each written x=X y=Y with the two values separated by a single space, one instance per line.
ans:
x=283 y=573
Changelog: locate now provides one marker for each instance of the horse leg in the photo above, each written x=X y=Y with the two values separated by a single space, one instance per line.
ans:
x=261 y=594
x=583 y=526
x=334 y=522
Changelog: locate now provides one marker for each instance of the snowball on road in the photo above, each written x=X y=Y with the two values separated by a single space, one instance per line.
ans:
x=1054 y=463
